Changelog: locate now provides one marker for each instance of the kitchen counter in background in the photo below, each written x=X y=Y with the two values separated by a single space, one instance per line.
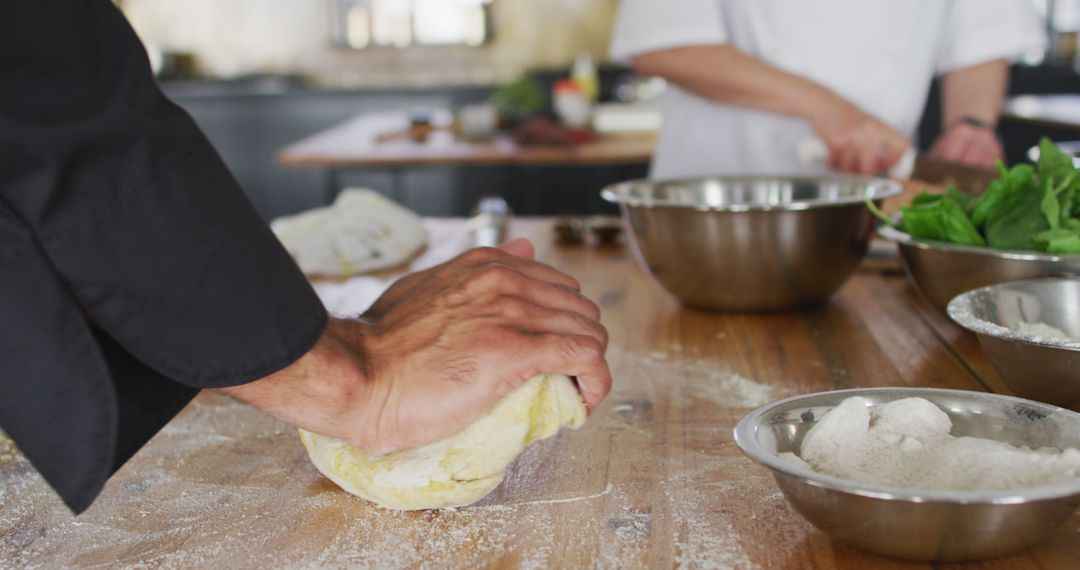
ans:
x=249 y=119
x=356 y=145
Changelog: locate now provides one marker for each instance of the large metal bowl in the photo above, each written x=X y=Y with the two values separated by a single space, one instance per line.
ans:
x=940 y=271
x=750 y=243
x=914 y=524
x=1033 y=365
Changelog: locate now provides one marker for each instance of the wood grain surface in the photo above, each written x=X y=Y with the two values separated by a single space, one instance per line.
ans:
x=356 y=143
x=652 y=480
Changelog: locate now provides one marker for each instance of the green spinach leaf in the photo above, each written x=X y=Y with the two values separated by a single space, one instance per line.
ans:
x=942 y=218
x=1017 y=220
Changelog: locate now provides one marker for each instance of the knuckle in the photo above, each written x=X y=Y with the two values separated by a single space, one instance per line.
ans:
x=592 y=350
x=494 y=273
x=571 y=281
x=592 y=327
x=487 y=277
x=580 y=349
x=568 y=349
x=592 y=309
x=605 y=337
x=510 y=307
x=479 y=255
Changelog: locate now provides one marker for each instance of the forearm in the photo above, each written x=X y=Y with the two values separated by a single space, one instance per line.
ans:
x=320 y=390
x=723 y=73
x=857 y=142
x=976 y=92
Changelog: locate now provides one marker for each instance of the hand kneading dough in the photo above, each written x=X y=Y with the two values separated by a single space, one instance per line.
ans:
x=460 y=469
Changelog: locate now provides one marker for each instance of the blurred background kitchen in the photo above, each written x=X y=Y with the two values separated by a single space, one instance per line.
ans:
x=436 y=103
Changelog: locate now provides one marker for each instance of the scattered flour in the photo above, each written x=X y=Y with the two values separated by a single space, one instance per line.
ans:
x=704 y=379
x=1046 y=331
x=1034 y=332
x=906 y=443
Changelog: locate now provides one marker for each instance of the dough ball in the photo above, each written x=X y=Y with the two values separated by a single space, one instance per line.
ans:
x=462 y=468
x=361 y=232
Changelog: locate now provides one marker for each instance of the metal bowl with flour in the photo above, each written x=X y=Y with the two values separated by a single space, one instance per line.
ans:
x=916 y=524
x=750 y=243
x=1031 y=332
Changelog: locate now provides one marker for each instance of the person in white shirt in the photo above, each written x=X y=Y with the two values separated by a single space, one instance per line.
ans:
x=751 y=80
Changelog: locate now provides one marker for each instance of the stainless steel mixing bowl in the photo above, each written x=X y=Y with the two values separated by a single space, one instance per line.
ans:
x=750 y=243
x=940 y=271
x=1071 y=148
x=913 y=524
x=1033 y=365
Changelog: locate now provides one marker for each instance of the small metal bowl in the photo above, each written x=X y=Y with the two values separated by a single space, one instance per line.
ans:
x=1035 y=366
x=940 y=271
x=1071 y=148
x=750 y=243
x=912 y=524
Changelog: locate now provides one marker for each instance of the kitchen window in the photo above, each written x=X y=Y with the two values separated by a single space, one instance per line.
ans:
x=362 y=24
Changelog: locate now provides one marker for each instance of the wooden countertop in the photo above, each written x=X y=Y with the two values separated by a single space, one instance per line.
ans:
x=652 y=480
x=354 y=144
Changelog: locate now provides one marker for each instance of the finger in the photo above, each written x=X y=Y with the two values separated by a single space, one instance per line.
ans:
x=976 y=155
x=892 y=153
x=846 y=159
x=496 y=280
x=983 y=152
x=483 y=256
x=867 y=159
x=836 y=151
x=951 y=146
x=525 y=315
x=520 y=247
x=581 y=357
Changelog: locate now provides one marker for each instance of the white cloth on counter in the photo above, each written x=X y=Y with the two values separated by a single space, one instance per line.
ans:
x=351 y=297
x=361 y=232
x=880 y=55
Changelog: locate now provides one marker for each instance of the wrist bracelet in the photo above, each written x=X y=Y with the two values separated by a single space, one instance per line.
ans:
x=975 y=122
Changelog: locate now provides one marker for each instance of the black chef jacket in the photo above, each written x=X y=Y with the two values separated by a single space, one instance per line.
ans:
x=133 y=271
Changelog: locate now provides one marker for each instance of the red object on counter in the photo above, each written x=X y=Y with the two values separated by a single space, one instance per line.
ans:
x=567 y=85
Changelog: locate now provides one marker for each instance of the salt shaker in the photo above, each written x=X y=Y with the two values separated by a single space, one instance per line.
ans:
x=491 y=216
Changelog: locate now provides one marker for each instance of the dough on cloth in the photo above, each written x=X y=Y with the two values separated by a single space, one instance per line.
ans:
x=462 y=468
x=362 y=231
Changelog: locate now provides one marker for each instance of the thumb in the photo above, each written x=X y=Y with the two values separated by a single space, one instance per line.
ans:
x=520 y=247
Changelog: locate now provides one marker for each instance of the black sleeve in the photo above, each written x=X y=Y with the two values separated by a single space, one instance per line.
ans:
x=115 y=210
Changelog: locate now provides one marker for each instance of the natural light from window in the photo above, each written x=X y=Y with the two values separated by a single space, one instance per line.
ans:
x=404 y=23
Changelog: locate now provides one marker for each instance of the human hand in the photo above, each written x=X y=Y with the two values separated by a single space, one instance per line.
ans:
x=438 y=349
x=968 y=144
x=857 y=142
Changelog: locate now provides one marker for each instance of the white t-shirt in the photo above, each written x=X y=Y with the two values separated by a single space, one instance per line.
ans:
x=879 y=54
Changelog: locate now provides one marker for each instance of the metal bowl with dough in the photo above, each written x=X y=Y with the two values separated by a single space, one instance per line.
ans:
x=462 y=468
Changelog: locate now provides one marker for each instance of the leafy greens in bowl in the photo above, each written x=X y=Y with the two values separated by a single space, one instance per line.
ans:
x=1027 y=208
